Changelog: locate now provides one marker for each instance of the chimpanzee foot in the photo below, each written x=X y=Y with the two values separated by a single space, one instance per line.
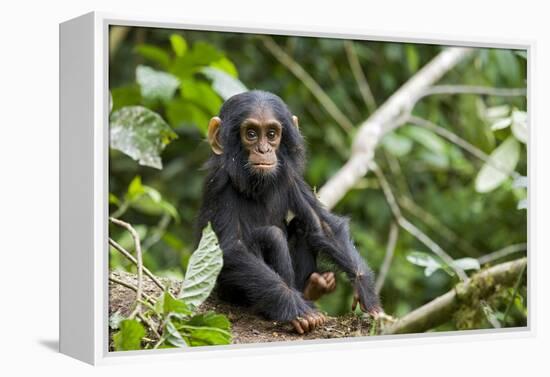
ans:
x=308 y=322
x=319 y=285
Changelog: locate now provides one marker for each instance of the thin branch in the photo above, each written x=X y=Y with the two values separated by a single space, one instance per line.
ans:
x=516 y=288
x=130 y=257
x=147 y=298
x=384 y=120
x=411 y=228
x=472 y=89
x=139 y=260
x=309 y=82
x=390 y=248
x=360 y=77
x=510 y=249
x=150 y=324
x=455 y=139
x=442 y=308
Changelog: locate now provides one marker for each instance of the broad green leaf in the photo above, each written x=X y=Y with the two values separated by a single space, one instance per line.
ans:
x=113 y=199
x=424 y=260
x=183 y=113
x=497 y=112
x=506 y=157
x=227 y=66
x=427 y=138
x=519 y=125
x=224 y=84
x=204 y=266
x=174 y=305
x=179 y=45
x=148 y=200
x=467 y=264
x=156 y=85
x=173 y=336
x=141 y=134
x=202 y=94
x=129 y=336
x=396 y=144
x=501 y=124
x=522 y=204
x=205 y=329
x=154 y=54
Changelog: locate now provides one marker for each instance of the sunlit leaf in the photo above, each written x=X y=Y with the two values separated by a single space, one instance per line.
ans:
x=396 y=144
x=156 y=85
x=224 y=84
x=179 y=45
x=519 y=125
x=427 y=138
x=522 y=204
x=506 y=157
x=501 y=124
x=204 y=266
x=174 y=305
x=148 y=200
x=141 y=134
x=129 y=336
x=226 y=65
x=521 y=182
x=496 y=112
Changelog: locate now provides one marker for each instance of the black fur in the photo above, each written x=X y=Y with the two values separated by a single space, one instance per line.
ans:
x=267 y=261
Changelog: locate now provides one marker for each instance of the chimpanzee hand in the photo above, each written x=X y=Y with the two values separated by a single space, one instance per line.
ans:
x=365 y=296
x=308 y=322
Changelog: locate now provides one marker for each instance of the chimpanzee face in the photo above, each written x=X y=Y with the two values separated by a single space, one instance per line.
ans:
x=260 y=137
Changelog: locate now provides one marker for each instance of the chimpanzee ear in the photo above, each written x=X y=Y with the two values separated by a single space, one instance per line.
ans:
x=214 y=135
x=295 y=121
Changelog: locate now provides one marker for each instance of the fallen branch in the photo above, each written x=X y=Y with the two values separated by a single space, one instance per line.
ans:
x=442 y=308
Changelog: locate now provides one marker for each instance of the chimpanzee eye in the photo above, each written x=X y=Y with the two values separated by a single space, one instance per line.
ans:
x=251 y=134
x=271 y=134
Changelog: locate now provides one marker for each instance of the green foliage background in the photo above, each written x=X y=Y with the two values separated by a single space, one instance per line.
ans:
x=171 y=73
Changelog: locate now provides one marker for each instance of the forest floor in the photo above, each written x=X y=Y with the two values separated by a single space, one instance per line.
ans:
x=246 y=326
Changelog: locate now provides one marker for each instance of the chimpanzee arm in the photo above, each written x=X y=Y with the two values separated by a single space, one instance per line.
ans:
x=330 y=235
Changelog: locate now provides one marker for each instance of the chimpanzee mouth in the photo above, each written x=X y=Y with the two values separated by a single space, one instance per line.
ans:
x=264 y=165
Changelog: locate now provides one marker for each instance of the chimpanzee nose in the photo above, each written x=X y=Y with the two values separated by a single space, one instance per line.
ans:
x=263 y=148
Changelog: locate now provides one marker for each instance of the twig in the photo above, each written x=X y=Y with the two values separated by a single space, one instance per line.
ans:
x=359 y=75
x=505 y=251
x=384 y=120
x=455 y=139
x=159 y=231
x=309 y=82
x=411 y=228
x=472 y=89
x=139 y=260
x=390 y=248
x=150 y=324
x=442 y=308
x=516 y=288
x=130 y=257
x=147 y=298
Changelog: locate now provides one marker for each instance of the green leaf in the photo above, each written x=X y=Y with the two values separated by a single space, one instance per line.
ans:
x=204 y=266
x=183 y=113
x=224 y=84
x=522 y=204
x=129 y=336
x=201 y=94
x=497 y=112
x=154 y=54
x=501 y=124
x=206 y=329
x=424 y=260
x=156 y=85
x=126 y=96
x=506 y=157
x=179 y=45
x=467 y=264
x=148 y=200
x=396 y=144
x=141 y=134
x=521 y=182
x=426 y=138
x=519 y=125
x=173 y=336
x=227 y=66
x=174 y=305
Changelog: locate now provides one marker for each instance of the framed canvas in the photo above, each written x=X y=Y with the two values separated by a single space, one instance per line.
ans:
x=237 y=189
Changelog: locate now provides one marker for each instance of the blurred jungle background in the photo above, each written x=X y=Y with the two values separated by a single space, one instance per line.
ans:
x=449 y=180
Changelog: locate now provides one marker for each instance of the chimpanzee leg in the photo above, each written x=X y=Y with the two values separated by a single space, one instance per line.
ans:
x=304 y=259
x=273 y=244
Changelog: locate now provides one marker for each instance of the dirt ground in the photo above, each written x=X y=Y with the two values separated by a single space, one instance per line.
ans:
x=246 y=327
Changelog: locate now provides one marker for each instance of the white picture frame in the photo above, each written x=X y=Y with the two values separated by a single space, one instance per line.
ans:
x=84 y=100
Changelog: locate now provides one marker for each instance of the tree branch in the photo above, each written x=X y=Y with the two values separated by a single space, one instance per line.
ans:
x=471 y=89
x=139 y=260
x=390 y=248
x=362 y=83
x=442 y=308
x=309 y=82
x=384 y=120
